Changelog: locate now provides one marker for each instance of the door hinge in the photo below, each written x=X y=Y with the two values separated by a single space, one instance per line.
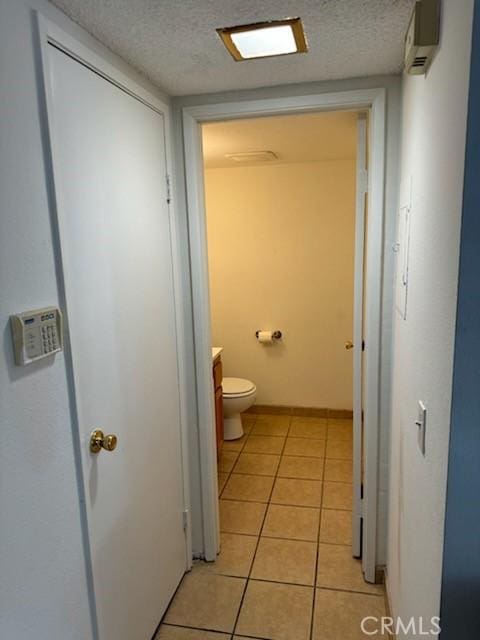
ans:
x=169 y=189
x=363 y=345
x=185 y=520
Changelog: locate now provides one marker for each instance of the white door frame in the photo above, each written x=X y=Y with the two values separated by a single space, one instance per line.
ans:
x=361 y=189
x=193 y=117
x=49 y=33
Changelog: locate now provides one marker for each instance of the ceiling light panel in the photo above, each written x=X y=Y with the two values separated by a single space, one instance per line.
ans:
x=264 y=39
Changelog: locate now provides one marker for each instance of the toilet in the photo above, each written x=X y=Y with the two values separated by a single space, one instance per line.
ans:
x=238 y=395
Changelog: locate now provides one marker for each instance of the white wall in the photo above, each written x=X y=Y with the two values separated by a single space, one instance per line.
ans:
x=281 y=249
x=392 y=87
x=44 y=591
x=433 y=146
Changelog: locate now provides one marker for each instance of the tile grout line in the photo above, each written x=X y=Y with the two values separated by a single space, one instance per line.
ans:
x=260 y=534
x=236 y=460
x=291 y=584
x=312 y=619
x=219 y=497
x=247 y=580
x=282 y=504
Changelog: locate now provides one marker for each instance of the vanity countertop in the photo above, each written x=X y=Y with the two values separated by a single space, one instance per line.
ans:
x=216 y=351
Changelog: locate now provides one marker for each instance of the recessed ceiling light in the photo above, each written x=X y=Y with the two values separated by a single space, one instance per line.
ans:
x=264 y=39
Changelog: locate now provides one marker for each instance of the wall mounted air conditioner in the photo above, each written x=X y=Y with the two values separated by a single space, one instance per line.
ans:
x=422 y=37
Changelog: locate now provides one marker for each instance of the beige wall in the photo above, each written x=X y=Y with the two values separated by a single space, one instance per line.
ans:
x=281 y=243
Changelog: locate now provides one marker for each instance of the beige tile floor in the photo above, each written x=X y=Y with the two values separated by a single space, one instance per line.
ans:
x=285 y=571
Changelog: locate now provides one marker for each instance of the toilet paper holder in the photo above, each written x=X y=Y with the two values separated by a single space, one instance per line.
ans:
x=276 y=335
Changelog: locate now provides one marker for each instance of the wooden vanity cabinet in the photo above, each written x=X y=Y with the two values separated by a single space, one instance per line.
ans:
x=217 y=386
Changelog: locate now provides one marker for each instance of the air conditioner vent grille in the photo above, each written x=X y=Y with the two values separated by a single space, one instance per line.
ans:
x=419 y=61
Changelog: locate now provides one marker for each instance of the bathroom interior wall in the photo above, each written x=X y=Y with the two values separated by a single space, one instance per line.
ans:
x=281 y=250
x=433 y=150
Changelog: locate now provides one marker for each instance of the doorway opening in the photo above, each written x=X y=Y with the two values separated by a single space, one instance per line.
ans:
x=285 y=211
x=367 y=270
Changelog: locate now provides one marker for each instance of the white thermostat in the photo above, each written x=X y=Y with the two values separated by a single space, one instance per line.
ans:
x=36 y=334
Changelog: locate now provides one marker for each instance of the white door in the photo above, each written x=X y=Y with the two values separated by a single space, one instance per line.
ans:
x=109 y=157
x=358 y=312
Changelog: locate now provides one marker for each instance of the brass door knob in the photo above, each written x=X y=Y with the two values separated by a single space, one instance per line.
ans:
x=348 y=345
x=98 y=441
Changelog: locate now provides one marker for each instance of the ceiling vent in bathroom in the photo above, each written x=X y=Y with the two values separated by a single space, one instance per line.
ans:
x=422 y=37
x=252 y=156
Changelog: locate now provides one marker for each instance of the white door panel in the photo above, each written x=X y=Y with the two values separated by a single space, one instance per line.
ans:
x=116 y=251
x=358 y=313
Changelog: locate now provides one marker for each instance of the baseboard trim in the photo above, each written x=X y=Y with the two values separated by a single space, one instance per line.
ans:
x=380 y=574
x=388 y=605
x=307 y=412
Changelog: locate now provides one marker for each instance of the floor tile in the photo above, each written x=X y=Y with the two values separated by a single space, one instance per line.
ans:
x=338 y=470
x=248 y=420
x=278 y=420
x=338 y=615
x=271 y=425
x=340 y=422
x=241 y=517
x=301 y=493
x=245 y=487
x=305 y=447
x=222 y=480
x=336 y=527
x=308 y=428
x=264 y=444
x=227 y=460
x=340 y=449
x=337 y=495
x=234 y=445
x=340 y=430
x=276 y=611
x=338 y=570
x=260 y=464
x=206 y=601
x=290 y=561
x=235 y=557
x=301 y=467
x=294 y=523
x=168 y=632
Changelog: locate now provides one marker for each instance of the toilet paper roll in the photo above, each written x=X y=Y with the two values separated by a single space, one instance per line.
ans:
x=265 y=337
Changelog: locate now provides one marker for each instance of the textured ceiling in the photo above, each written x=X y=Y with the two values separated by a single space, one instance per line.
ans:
x=298 y=138
x=174 y=43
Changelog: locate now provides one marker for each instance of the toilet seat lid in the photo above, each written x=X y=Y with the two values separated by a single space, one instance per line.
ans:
x=236 y=386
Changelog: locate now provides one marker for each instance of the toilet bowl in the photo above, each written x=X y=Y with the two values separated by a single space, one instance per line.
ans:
x=238 y=395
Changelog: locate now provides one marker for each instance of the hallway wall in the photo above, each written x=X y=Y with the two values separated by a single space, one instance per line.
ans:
x=433 y=149
x=461 y=558
x=280 y=247
x=44 y=588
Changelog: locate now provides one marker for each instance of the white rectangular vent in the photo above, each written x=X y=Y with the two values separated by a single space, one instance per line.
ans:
x=420 y=61
x=252 y=156
x=422 y=36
